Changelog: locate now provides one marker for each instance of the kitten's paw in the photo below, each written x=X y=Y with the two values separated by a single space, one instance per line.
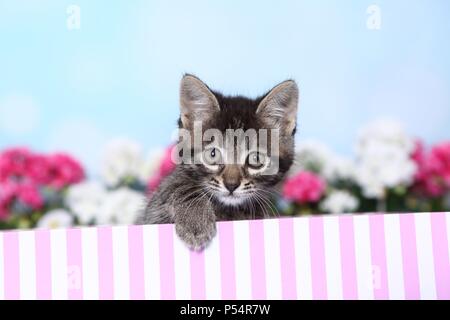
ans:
x=196 y=236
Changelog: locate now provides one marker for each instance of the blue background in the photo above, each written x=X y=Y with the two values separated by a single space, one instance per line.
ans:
x=118 y=75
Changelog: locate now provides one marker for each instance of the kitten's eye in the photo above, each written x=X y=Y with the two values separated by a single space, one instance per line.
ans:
x=256 y=160
x=212 y=157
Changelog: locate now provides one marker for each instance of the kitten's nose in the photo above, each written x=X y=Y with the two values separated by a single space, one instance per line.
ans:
x=231 y=185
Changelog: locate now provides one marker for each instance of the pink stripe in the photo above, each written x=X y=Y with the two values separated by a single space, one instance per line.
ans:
x=166 y=261
x=74 y=264
x=105 y=263
x=440 y=253
x=378 y=248
x=227 y=266
x=317 y=247
x=257 y=259
x=198 y=291
x=43 y=264
x=11 y=265
x=136 y=262
x=287 y=256
x=409 y=256
x=348 y=258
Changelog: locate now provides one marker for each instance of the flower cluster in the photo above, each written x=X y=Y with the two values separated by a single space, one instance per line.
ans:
x=92 y=203
x=305 y=187
x=384 y=158
x=49 y=190
x=432 y=178
x=125 y=165
x=119 y=196
x=29 y=181
x=55 y=170
x=391 y=171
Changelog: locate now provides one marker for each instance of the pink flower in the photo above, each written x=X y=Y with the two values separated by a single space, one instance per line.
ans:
x=419 y=158
x=439 y=162
x=63 y=171
x=433 y=174
x=58 y=170
x=167 y=165
x=14 y=163
x=39 y=169
x=4 y=213
x=23 y=173
x=153 y=183
x=305 y=187
x=29 y=195
x=25 y=192
x=8 y=190
x=165 y=168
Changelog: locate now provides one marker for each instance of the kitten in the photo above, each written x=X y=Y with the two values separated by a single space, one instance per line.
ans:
x=206 y=186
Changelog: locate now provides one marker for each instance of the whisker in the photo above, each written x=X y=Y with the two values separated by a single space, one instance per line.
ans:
x=268 y=202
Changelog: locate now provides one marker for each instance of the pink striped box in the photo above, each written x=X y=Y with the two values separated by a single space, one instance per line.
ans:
x=386 y=256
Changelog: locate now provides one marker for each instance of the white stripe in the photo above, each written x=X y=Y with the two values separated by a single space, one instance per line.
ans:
x=212 y=270
x=120 y=260
x=303 y=258
x=242 y=260
x=394 y=256
x=425 y=256
x=27 y=258
x=2 y=285
x=272 y=257
x=90 y=263
x=59 y=263
x=333 y=257
x=151 y=262
x=364 y=268
x=182 y=269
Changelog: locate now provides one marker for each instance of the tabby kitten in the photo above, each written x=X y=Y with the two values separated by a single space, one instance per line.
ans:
x=208 y=184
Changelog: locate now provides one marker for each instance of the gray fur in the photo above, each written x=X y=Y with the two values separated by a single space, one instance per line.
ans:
x=192 y=196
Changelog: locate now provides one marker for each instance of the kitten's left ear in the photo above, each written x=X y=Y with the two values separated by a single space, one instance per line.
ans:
x=278 y=109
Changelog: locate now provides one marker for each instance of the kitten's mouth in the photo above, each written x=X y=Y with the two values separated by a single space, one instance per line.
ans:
x=232 y=199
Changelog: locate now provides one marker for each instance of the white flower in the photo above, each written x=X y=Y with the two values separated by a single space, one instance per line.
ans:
x=386 y=132
x=121 y=206
x=150 y=166
x=122 y=159
x=58 y=218
x=368 y=178
x=385 y=170
x=384 y=158
x=339 y=169
x=85 y=199
x=315 y=156
x=310 y=155
x=339 y=201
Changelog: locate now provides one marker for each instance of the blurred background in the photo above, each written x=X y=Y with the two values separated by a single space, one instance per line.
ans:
x=77 y=76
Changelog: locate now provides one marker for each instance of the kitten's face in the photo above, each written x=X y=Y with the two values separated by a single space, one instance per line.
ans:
x=247 y=145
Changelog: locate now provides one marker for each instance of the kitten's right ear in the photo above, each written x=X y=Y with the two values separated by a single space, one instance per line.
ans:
x=197 y=102
x=278 y=109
